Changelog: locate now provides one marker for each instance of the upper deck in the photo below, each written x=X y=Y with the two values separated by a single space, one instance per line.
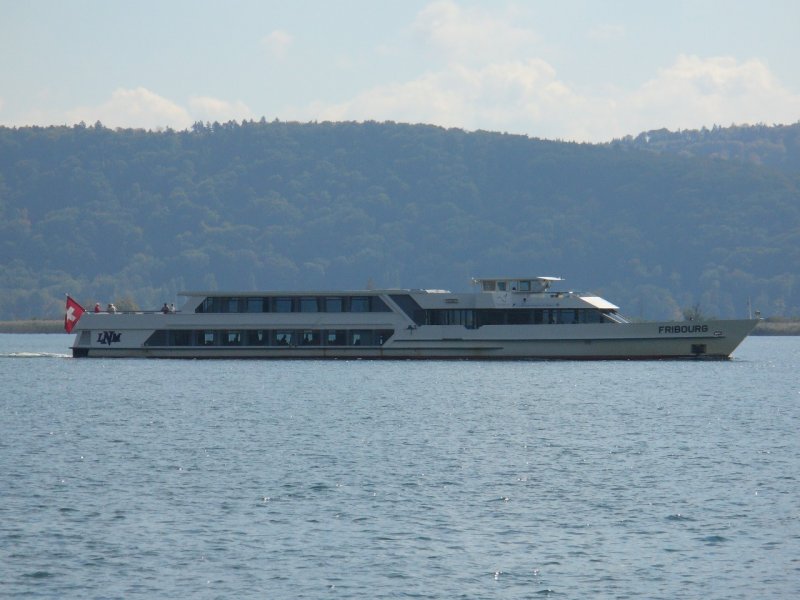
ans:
x=525 y=285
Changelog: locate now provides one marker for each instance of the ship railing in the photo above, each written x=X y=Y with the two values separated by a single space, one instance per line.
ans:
x=134 y=312
x=616 y=317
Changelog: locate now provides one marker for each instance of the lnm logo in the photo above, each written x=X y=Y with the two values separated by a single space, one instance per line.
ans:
x=108 y=337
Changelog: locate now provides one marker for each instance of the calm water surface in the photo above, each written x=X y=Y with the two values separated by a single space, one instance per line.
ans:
x=354 y=479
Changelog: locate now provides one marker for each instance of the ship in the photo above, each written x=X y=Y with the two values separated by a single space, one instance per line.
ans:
x=502 y=318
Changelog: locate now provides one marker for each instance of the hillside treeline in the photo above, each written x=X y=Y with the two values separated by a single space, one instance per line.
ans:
x=777 y=146
x=137 y=216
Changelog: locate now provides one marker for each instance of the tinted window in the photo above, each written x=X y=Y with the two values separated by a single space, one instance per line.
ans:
x=283 y=338
x=310 y=337
x=333 y=304
x=336 y=338
x=359 y=304
x=283 y=305
x=255 y=305
x=308 y=304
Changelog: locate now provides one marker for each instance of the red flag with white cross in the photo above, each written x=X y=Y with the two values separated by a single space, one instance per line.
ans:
x=72 y=315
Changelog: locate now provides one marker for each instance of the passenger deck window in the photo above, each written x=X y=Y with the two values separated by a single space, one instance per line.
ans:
x=311 y=337
x=283 y=305
x=180 y=338
x=568 y=316
x=232 y=305
x=206 y=307
x=283 y=338
x=359 y=304
x=233 y=338
x=361 y=337
x=257 y=337
x=382 y=335
x=334 y=304
x=336 y=337
x=256 y=305
x=378 y=305
x=308 y=305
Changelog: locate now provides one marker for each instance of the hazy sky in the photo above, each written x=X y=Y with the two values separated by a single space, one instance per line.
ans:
x=567 y=69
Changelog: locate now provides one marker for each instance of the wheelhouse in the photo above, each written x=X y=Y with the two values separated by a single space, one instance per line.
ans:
x=516 y=284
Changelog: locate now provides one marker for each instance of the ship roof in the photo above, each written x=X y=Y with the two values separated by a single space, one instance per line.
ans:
x=599 y=302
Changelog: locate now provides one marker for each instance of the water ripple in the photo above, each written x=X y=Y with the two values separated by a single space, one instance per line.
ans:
x=429 y=480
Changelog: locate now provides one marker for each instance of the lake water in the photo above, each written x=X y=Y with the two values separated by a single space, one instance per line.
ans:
x=355 y=479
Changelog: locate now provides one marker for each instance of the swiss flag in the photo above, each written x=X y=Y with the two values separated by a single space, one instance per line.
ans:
x=72 y=315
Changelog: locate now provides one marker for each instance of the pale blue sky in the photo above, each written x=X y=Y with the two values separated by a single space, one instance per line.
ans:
x=572 y=69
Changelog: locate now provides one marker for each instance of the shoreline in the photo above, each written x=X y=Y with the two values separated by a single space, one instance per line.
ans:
x=33 y=326
x=766 y=327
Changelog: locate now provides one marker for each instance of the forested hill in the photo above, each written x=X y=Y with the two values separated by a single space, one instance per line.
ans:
x=137 y=216
x=777 y=146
